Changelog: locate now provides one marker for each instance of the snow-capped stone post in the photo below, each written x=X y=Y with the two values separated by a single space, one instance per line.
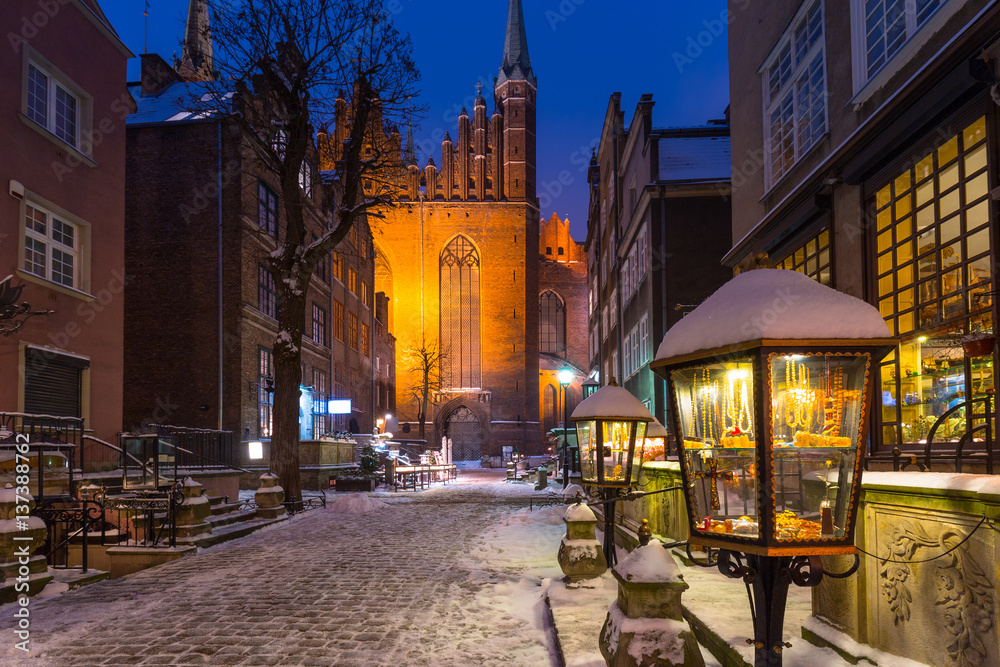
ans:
x=645 y=626
x=543 y=478
x=193 y=512
x=20 y=536
x=580 y=553
x=269 y=497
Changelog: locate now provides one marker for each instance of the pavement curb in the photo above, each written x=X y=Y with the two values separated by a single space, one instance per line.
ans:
x=715 y=644
x=549 y=622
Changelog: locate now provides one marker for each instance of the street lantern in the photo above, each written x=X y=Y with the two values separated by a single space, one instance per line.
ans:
x=656 y=440
x=565 y=378
x=610 y=432
x=771 y=420
x=148 y=461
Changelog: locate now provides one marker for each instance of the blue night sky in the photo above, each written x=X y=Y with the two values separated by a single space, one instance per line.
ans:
x=581 y=51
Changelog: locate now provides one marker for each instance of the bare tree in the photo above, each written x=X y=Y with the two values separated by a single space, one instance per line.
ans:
x=283 y=64
x=424 y=363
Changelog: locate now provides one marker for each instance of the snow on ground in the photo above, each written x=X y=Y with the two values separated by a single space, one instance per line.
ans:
x=355 y=503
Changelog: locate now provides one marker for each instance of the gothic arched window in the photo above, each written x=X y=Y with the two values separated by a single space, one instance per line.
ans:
x=460 y=367
x=552 y=323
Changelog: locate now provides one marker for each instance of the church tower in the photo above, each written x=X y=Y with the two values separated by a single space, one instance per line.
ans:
x=514 y=92
x=196 y=58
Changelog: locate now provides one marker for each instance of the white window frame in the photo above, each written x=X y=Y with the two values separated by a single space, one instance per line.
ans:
x=604 y=321
x=644 y=352
x=305 y=178
x=916 y=37
x=799 y=68
x=614 y=307
x=614 y=362
x=80 y=250
x=57 y=79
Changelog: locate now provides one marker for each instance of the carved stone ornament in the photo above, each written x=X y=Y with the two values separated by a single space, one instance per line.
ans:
x=964 y=593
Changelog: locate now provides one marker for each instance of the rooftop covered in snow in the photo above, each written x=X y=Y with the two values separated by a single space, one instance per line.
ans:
x=611 y=402
x=771 y=304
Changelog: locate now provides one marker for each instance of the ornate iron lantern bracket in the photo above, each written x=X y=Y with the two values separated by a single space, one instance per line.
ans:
x=13 y=315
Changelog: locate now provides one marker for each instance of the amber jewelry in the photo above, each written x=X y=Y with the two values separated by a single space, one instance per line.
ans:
x=799 y=397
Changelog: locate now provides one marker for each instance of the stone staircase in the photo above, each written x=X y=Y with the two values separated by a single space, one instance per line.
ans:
x=229 y=522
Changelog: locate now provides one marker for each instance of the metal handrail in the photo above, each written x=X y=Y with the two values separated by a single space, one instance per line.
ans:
x=987 y=400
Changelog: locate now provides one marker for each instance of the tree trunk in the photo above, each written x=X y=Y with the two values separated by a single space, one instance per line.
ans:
x=423 y=410
x=287 y=379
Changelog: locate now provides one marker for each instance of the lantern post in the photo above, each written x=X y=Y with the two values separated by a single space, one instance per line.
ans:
x=770 y=424
x=610 y=432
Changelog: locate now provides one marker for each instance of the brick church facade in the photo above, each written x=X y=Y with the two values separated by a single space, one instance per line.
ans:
x=460 y=257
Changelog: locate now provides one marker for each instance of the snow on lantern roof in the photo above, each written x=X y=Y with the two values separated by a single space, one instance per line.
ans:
x=655 y=430
x=611 y=402
x=772 y=304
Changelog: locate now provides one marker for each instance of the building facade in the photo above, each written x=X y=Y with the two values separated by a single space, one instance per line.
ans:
x=659 y=224
x=62 y=224
x=459 y=261
x=562 y=321
x=873 y=170
x=202 y=214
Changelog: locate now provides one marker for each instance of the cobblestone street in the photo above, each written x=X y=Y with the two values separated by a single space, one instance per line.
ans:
x=393 y=586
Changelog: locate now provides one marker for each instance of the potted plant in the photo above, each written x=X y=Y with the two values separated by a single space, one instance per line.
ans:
x=979 y=344
x=365 y=478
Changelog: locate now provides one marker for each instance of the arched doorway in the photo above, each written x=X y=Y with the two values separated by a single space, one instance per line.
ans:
x=466 y=435
x=549 y=417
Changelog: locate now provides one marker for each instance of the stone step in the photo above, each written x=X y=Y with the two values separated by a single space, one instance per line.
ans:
x=235 y=531
x=216 y=500
x=74 y=577
x=220 y=520
x=111 y=537
x=219 y=509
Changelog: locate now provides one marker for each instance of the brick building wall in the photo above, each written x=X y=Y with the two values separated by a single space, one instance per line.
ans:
x=193 y=189
x=81 y=181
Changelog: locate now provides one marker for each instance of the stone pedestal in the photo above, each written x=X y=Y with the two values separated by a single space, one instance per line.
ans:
x=543 y=478
x=193 y=513
x=269 y=497
x=20 y=536
x=580 y=554
x=644 y=626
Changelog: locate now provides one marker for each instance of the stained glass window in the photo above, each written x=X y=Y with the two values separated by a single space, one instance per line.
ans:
x=460 y=315
x=552 y=323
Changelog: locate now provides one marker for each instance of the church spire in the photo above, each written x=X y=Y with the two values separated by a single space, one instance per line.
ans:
x=516 y=62
x=196 y=58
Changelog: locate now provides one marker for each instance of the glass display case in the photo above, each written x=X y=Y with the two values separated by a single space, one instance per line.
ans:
x=771 y=441
x=149 y=462
x=928 y=376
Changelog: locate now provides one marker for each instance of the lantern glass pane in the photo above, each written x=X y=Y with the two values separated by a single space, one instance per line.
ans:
x=55 y=472
x=716 y=423
x=586 y=435
x=817 y=406
x=617 y=435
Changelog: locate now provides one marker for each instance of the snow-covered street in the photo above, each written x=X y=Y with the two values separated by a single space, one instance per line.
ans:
x=394 y=579
x=454 y=576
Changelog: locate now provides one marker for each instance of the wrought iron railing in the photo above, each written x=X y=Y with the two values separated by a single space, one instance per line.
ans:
x=974 y=446
x=147 y=519
x=83 y=523
x=291 y=506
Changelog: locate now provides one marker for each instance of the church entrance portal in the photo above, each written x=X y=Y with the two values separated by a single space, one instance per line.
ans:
x=466 y=435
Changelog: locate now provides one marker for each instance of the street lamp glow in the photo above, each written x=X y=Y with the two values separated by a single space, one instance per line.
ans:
x=565 y=376
x=256 y=450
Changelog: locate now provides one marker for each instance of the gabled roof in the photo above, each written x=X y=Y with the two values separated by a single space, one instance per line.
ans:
x=695 y=158
x=178 y=102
